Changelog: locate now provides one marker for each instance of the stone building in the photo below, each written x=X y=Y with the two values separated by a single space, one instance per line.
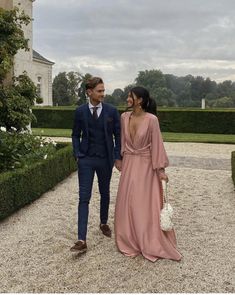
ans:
x=38 y=68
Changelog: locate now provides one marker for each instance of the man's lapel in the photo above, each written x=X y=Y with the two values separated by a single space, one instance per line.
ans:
x=104 y=110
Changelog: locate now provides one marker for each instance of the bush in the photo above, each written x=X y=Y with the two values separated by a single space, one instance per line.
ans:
x=24 y=185
x=201 y=121
x=171 y=120
x=17 y=150
x=233 y=166
x=53 y=118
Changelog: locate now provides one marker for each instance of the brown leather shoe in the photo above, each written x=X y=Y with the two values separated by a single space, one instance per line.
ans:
x=79 y=247
x=106 y=230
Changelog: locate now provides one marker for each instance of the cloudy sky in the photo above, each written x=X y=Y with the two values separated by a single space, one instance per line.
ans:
x=115 y=39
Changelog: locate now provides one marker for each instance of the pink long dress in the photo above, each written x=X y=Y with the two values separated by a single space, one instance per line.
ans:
x=139 y=197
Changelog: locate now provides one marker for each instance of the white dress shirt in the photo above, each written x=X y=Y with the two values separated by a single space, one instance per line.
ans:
x=99 y=108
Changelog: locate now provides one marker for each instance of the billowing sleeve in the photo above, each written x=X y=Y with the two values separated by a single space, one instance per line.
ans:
x=158 y=152
x=123 y=138
x=116 y=132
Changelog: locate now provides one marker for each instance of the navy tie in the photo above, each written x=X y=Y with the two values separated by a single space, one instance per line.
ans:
x=95 y=115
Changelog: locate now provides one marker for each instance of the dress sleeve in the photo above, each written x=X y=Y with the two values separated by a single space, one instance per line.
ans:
x=158 y=152
x=123 y=139
x=116 y=133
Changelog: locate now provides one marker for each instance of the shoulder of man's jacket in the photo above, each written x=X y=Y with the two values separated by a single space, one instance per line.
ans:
x=81 y=107
x=109 y=106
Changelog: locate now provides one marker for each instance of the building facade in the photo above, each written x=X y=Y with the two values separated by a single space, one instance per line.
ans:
x=38 y=68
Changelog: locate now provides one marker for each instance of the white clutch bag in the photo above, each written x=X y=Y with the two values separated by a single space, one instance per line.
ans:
x=166 y=214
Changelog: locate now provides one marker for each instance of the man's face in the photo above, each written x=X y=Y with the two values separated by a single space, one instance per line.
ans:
x=96 y=94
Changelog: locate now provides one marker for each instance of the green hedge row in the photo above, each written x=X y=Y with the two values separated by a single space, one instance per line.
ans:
x=23 y=186
x=184 y=121
x=53 y=118
x=213 y=122
x=233 y=166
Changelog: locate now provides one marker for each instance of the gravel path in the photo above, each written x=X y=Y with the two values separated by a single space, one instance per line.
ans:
x=35 y=241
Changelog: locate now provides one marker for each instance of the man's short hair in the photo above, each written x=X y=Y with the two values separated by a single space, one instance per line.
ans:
x=92 y=82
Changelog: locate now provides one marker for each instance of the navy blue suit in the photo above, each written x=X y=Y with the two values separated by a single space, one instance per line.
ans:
x=96 y=145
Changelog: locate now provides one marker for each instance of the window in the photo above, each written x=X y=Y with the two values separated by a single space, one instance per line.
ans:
x=39 y=84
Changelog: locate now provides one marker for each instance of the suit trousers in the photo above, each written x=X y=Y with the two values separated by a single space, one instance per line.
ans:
x=87 y=167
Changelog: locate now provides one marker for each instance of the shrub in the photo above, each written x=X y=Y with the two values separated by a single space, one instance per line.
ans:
x=53 y=118
x=24 y=185
x=17 y=150
x=171 y=120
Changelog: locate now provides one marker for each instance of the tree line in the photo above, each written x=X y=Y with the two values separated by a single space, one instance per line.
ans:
x=168 y=90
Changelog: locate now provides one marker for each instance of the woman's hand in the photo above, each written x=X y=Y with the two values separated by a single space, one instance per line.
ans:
x=163 y=175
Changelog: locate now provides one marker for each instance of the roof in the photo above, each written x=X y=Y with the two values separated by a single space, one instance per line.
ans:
x=40 y=58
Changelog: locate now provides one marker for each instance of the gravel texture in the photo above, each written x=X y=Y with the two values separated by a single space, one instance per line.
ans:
x=35 y=241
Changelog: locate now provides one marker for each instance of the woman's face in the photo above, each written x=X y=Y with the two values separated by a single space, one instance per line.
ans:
x=132 y=100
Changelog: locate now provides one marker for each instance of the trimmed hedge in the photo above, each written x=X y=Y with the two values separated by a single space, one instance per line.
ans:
x=184 y=121
x=23 y=186
x=53 y=118
x=233 y=166
x=203 y=121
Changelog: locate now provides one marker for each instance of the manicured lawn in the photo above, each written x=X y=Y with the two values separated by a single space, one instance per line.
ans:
x=52 y=132
x=167 y=136
x=199 y=137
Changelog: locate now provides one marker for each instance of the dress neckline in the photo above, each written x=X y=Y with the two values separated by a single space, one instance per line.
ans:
x=137 y=130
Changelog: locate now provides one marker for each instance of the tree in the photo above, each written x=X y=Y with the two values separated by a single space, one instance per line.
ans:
x=172 y=83
x=197 y=89
x=155 y=82
x=16 y=103
x=60 y=93
x=151 y=80
x=223 y=102
x=65 y=88
x=11 y=38
x=163 y=96
x=17 y=94
x=110 y=99
x=225 y=89
x=125 y=93
x=82 y=89
x=117 y=93
x=117 y=96
x=74 y=79
x=187 y=91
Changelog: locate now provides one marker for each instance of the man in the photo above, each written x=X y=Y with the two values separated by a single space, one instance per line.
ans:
x=96 y=129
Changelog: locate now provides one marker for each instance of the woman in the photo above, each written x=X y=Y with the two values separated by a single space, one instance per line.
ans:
x=139 y=198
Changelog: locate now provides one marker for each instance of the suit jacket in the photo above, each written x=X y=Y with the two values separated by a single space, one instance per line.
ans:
x=80 y=134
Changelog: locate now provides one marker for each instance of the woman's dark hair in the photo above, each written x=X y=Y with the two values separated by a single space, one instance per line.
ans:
x=148 y=104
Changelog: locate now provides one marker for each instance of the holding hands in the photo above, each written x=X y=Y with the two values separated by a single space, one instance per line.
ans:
x=118 y=165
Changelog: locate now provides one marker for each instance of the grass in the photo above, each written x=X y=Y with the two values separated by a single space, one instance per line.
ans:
x=167 y=136
x=123 y=107
x=52 y=132
x=199 y=137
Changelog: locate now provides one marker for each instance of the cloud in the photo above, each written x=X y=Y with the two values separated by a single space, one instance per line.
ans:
x=116 y=39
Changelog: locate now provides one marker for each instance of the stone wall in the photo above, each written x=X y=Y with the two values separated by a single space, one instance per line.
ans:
x=44 y=71
x=6 y=4
x=23 y=59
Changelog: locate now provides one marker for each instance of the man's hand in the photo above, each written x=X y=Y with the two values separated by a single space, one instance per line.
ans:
x=118 y=164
